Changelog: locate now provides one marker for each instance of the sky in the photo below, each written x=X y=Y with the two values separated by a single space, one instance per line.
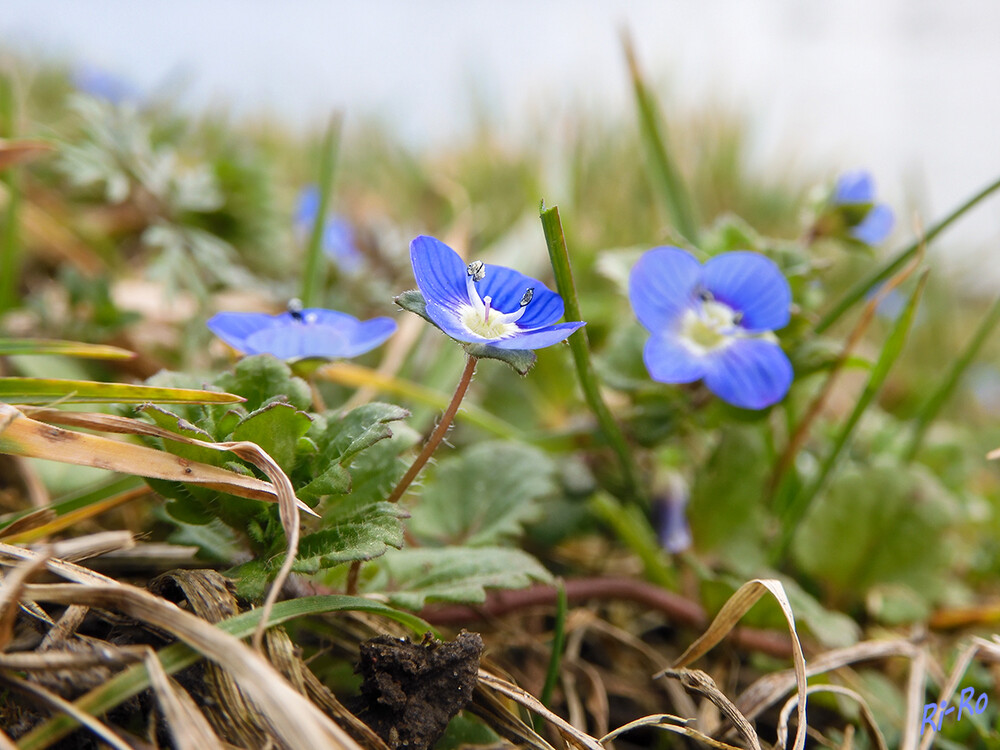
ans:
x=906 y=88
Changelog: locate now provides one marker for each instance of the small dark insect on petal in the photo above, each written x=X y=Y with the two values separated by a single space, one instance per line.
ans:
x=477 y=270
x=295 y=308
x=528 y=294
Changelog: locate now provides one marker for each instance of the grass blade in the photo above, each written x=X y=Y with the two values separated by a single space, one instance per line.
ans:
x=861 y=288
x=578 y=344
x=311 y=276
x=10 y=239
x=943 y=392
x=665 y=176
x=65 y=348
x=800 y=503
x=47 y=390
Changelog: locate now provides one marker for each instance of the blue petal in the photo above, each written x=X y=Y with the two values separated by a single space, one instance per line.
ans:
x=669 y=361
x=876 y=225
x=506 y=286
x=234 y=327
x=320 y=316
x=299 y=340
x=751 y=284
x=749 y=373
x=854 y=187
x=308 y=206
x=661 y=286
x=439 y=271
x=367 y=335
x=538 y=338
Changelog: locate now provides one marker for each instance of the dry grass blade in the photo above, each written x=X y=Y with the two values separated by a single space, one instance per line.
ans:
x=738 y=605
x=700 y=683
x=24 y=436
x=21 y=151
x=866 y=713
x=570 y=733
x=296 y=722
x=289 y=520
x=15 y=534
x=92 y=545
x=769 y=689
x=10 y=593
x=30 y=661
x=24 y=524
x=488 y=707
x=914 y=699
x=660 y=722
x=188 y=727
x=6 y=743
x=85 y=719
x=965 y=658
x=67 y=570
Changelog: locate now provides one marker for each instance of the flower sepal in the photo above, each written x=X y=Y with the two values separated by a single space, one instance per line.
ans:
x=521 y=360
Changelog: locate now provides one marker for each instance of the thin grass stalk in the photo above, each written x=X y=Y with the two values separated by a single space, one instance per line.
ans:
x=555 y=240
x=663 y=170
x=800 y=503
x=311 y=277
x=10 y=239
x=558 y=645
x=862 y=287
x=943 y=392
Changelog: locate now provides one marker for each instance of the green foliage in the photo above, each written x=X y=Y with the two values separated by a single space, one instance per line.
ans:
x=413 y=577
x=879 y=525
x=484 y=496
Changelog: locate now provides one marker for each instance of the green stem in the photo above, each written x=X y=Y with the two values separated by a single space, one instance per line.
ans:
x=937 y=399
x=439 y=432
x=861 y=288
x=312 y=278
x=665 y=175
x=10 y=236
x=578 y=344
x=799 y=504
x=558 y=645
x=632 y=527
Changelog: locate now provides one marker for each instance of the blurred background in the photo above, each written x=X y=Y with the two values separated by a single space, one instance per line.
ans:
x=905 y=88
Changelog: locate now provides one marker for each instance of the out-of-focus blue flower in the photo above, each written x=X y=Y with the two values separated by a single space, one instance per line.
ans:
x=485 y=304
x=301 y=334
x=714 y=322
x=101 y=84
x=672 y=527
x=866 y=220
x=339 y=242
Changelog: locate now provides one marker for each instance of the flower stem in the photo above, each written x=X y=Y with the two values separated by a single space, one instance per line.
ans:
x=559 y=255
x=439 y=432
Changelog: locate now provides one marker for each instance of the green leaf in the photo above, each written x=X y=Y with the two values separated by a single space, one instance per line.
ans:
x=65 y=348
x=522 y=360
x=484 y=496
x=880 y=525
x=355 y=532
x=725 y=512
x=414 y=577
x=359 y=429
x=44 y=390
x=335 y=480
x=276 y=428
x=169 y=421
x=261 y=378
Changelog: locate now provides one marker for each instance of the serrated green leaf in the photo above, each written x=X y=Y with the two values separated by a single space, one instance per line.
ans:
x=262 y=377
x=879 y=525
x=483 y=496
x=376 y=470
x=355 y=532
x=413 y=577
x=46 y=390
x=168 y=420
x=336 y=480
x=276 y=428
x=521 y=360
x=361 y=428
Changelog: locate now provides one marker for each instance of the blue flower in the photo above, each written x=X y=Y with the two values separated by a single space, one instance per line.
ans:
x=101 y=84
x=338 y=241
x=484 y=304
x=301 y=334
x=714 y=322
x=867 y=221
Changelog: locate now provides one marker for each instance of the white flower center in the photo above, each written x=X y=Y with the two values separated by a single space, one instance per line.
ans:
x=710 y=325
x=480 y=318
